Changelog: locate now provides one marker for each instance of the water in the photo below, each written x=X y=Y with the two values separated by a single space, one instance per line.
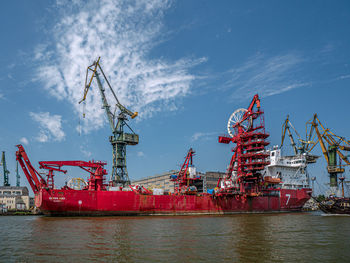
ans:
x=295 y=237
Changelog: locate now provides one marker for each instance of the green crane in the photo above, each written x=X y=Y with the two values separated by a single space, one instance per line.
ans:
x=5 y=171
x=119 y=138
x=301 y=145
x=18 y=177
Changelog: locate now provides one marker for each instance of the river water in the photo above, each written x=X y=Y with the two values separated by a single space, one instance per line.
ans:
x=286 y=237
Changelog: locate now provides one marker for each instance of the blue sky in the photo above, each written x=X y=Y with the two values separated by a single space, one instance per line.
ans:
x=184 y=65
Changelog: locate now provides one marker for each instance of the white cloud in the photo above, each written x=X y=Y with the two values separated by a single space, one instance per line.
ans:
x=123 y=33
x=203 y=136
x=50 y=126
x=85 y=152
x=24 y=140
x=265 y=76
x=42 y=136
x=140 y=154
x=344 y=77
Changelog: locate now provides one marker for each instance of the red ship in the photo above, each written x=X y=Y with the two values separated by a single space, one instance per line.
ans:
x=247 y=186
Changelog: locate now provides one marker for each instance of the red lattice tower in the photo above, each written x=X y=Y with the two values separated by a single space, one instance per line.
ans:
x=246 y=128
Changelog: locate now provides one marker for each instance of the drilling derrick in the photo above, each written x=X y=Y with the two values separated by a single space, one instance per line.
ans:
x=246 y=128
x=5 y=171
x=119 y=138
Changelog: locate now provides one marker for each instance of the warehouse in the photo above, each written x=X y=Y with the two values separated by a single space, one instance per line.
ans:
x=162 y=181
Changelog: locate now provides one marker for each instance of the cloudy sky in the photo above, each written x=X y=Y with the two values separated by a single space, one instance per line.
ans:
x=185 y=66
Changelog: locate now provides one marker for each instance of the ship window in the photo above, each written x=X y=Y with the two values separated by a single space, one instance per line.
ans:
x=273 y=154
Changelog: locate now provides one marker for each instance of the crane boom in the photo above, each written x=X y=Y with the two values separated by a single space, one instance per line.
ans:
x=96 y=65
x=87 y=85
x=320 y=138
x=95 y=168
x=285 y=127
x=34 y=178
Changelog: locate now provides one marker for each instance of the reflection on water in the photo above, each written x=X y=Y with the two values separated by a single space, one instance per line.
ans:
x=295 y=237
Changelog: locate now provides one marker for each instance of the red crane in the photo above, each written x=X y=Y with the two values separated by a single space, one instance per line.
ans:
x=246 y=128
x=184 y=180
x=36 y=181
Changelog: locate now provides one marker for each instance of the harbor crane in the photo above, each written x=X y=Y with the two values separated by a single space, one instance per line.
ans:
x=5 y=171
x=300 y=146
x=332 y=146
x=119 y=138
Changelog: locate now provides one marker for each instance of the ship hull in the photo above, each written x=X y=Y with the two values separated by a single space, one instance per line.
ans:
x=335 y=206
x=102 y=203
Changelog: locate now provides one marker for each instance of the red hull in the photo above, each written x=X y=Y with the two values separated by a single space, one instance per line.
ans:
x=92 y=203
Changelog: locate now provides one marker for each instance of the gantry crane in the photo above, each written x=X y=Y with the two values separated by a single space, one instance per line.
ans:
x=5 y=171
x=332 y=146
x=119 y=138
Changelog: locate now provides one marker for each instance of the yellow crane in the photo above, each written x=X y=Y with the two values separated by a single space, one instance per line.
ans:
x=332 y=146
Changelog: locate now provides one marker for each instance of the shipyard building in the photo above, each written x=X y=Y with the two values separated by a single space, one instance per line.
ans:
x=15 y=198
x=162 y=181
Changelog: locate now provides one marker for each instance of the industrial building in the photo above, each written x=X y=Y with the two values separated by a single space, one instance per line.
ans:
x=158 y=181
x=14 y=198
x=211 y=179
x=162 y=181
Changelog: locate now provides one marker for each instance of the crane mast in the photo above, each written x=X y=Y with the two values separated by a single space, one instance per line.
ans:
x=5 y=171
x=18 y=177
x=119 y=138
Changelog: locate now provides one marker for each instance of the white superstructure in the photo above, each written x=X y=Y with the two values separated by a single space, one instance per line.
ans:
x=290 y=170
